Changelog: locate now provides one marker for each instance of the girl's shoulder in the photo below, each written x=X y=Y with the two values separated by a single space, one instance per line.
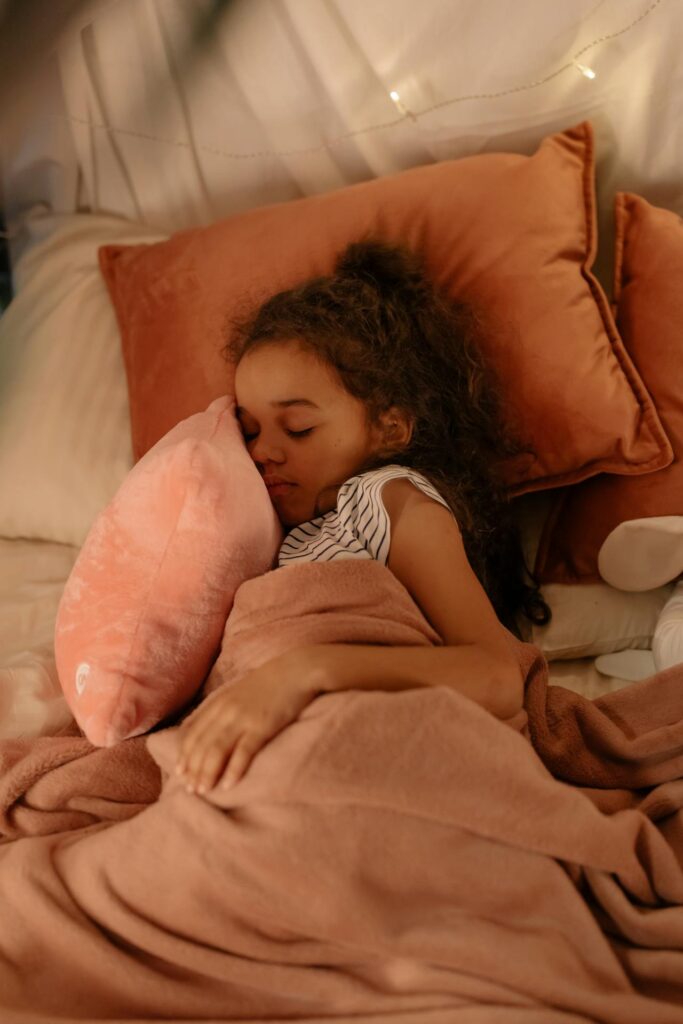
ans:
x=369 y=485
x=364 y=514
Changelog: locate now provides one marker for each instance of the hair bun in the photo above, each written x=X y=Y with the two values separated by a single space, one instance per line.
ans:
x=383 y=264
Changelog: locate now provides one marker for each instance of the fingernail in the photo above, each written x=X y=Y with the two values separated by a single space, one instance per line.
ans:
x=228 y=782
x=189 y=788
x=201 y=788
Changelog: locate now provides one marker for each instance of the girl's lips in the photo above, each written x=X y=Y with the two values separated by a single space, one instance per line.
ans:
x=275 y=489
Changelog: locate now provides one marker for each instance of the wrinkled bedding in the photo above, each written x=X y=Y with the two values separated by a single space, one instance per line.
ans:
x=389 y=857
x=32 y=578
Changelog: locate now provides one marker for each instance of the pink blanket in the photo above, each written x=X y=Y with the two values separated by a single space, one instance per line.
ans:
x=389 y=857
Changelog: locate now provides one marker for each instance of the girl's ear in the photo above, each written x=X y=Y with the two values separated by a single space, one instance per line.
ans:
x=397 y=429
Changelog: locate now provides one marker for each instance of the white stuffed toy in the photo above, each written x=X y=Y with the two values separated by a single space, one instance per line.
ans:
x=642 y=554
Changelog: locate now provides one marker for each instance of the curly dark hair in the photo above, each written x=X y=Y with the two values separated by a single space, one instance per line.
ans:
x=395 y=339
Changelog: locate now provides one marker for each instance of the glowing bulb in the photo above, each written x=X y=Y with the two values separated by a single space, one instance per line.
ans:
x=401 y=106
x=585 y=70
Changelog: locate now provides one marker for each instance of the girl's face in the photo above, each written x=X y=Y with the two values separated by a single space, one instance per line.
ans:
x=300 y=426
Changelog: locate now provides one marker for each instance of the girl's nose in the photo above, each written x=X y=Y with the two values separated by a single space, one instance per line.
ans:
x=265 y=451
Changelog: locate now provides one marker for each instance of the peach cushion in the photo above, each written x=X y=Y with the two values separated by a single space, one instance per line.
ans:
x=649 y=301
x=142 y=614
x=513 y=234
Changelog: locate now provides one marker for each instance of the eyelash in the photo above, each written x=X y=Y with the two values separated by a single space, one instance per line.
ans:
x=292 y=433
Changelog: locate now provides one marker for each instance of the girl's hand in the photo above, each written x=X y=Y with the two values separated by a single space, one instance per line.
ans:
x=236 y=721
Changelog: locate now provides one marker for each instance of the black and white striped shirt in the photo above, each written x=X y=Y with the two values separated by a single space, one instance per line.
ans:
x=358 y=527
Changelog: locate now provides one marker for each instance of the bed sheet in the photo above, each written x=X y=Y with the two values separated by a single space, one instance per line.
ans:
x=32 y=577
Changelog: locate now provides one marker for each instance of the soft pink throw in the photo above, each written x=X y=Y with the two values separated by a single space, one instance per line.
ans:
x=390 y=857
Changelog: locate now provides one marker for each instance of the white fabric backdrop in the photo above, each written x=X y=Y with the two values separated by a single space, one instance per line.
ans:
x=152 y=134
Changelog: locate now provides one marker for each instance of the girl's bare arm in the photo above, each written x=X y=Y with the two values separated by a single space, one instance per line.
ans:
x=427 y=555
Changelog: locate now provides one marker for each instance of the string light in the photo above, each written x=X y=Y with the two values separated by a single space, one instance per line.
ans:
x=584 y=69
x=394 y=96
x=401 y=106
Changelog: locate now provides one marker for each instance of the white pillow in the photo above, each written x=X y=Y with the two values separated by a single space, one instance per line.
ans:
x=64 y=418
x=588 y=618
x=594 y=618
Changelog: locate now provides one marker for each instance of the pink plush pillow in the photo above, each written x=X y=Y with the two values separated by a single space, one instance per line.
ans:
x=143 y=611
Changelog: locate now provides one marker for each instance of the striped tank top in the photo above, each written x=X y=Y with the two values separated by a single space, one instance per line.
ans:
x=358 y=527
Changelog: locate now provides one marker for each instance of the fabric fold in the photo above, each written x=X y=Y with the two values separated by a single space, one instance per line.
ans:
x=388 y=856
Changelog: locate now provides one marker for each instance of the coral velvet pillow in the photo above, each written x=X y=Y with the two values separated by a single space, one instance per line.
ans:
x=142 y=614
x=649 y=302
x=515 y=235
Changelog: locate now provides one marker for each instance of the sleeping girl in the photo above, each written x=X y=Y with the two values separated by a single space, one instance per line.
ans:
x=370 y=412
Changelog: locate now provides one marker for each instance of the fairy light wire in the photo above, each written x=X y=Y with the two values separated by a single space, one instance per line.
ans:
x=406 y=114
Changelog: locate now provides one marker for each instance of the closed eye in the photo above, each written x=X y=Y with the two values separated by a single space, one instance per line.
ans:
x=292 y=433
